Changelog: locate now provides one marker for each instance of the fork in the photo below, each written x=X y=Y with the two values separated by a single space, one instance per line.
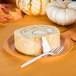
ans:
x=55 y=51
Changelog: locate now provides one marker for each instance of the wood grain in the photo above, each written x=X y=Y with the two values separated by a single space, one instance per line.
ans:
x=10 y=66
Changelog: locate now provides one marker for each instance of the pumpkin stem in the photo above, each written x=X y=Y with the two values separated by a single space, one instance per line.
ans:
x=63 y=3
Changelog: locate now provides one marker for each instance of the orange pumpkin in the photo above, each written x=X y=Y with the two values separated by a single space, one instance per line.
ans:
x=33 y=7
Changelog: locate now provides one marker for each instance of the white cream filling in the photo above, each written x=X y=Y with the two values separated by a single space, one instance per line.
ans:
x=46 y=46
x=49 y=30
x=39 y=32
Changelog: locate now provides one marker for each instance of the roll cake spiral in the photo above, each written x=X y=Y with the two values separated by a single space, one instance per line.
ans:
x=36 y=39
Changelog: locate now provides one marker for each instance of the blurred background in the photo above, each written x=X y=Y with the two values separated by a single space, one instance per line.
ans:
x=7 y=1
x=13 y=1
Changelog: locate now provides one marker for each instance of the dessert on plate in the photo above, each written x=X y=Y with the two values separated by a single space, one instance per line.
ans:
x=36 y=39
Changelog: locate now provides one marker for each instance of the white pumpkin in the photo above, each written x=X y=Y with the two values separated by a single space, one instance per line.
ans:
x=62 y=12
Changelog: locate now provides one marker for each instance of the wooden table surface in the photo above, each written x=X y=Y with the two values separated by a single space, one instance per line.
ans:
x=10 y=65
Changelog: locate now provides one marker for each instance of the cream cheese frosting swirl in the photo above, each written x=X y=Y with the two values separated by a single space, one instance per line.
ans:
x=37 y=30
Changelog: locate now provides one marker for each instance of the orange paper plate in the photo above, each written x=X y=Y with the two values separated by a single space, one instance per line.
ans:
x=10 y=48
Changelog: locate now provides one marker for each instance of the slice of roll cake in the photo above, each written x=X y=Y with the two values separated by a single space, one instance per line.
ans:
x=36 y=39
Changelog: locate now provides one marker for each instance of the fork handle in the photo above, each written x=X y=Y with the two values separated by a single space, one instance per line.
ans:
x=32 y=60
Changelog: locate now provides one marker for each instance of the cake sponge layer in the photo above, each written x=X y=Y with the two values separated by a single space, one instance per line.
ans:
x=36 y=39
